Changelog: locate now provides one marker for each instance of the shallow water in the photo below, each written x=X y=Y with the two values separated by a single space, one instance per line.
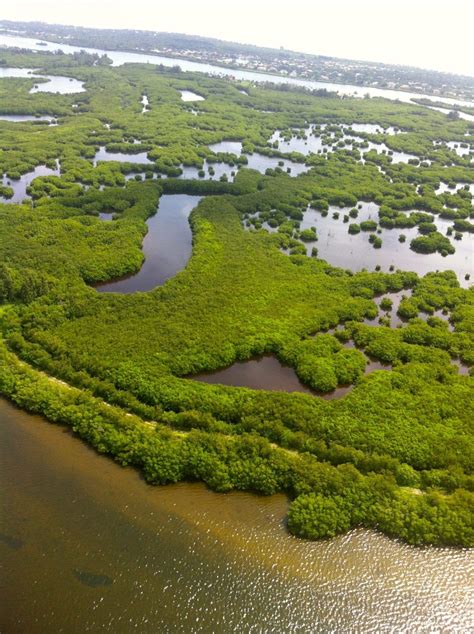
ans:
x=256 y=161
x=267 y=373
x=122 y=157
x=20 y=118
x=231 y=147
x=305 y=146
x=167 y=246
x=381 y=148
x=444 y=187
x=372 y=128
x=219 y=169
x=305 y=142
x=462 y=115
x=461 y=367
x=19 y=186
x=261 y=163
x=62 y=85
x=396 y=298
x=354 y=252
x=106 y=216
x=188 y=95
x=460 y=151
x=338 y=247
x=87 y=546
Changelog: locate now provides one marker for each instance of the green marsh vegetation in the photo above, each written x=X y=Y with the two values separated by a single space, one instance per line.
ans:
x=396 y=453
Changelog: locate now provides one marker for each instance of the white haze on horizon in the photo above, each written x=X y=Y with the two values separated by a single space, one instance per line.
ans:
x=424 y=33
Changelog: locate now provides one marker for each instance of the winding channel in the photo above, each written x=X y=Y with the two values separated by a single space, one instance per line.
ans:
x=167 y=246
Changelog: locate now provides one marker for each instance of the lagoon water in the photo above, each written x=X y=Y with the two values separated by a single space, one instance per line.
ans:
x=87 y=546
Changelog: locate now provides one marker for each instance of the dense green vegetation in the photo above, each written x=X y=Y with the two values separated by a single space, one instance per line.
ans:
x=395 y=453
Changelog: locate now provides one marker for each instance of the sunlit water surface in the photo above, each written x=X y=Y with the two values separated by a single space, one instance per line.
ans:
x=87 y=546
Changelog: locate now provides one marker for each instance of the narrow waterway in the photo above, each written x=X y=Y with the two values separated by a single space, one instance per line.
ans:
x=167 y=246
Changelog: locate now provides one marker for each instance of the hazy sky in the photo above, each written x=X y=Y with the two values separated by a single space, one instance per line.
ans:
x=427 y=33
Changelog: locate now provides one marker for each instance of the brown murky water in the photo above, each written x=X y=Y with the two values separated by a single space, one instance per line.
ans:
x=264 y=373
x=87 y=546
x=267 y=373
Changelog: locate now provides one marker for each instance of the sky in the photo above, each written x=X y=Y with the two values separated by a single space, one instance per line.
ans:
x=430 y=34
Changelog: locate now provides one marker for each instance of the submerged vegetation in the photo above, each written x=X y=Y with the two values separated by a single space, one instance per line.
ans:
x=396 y=453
